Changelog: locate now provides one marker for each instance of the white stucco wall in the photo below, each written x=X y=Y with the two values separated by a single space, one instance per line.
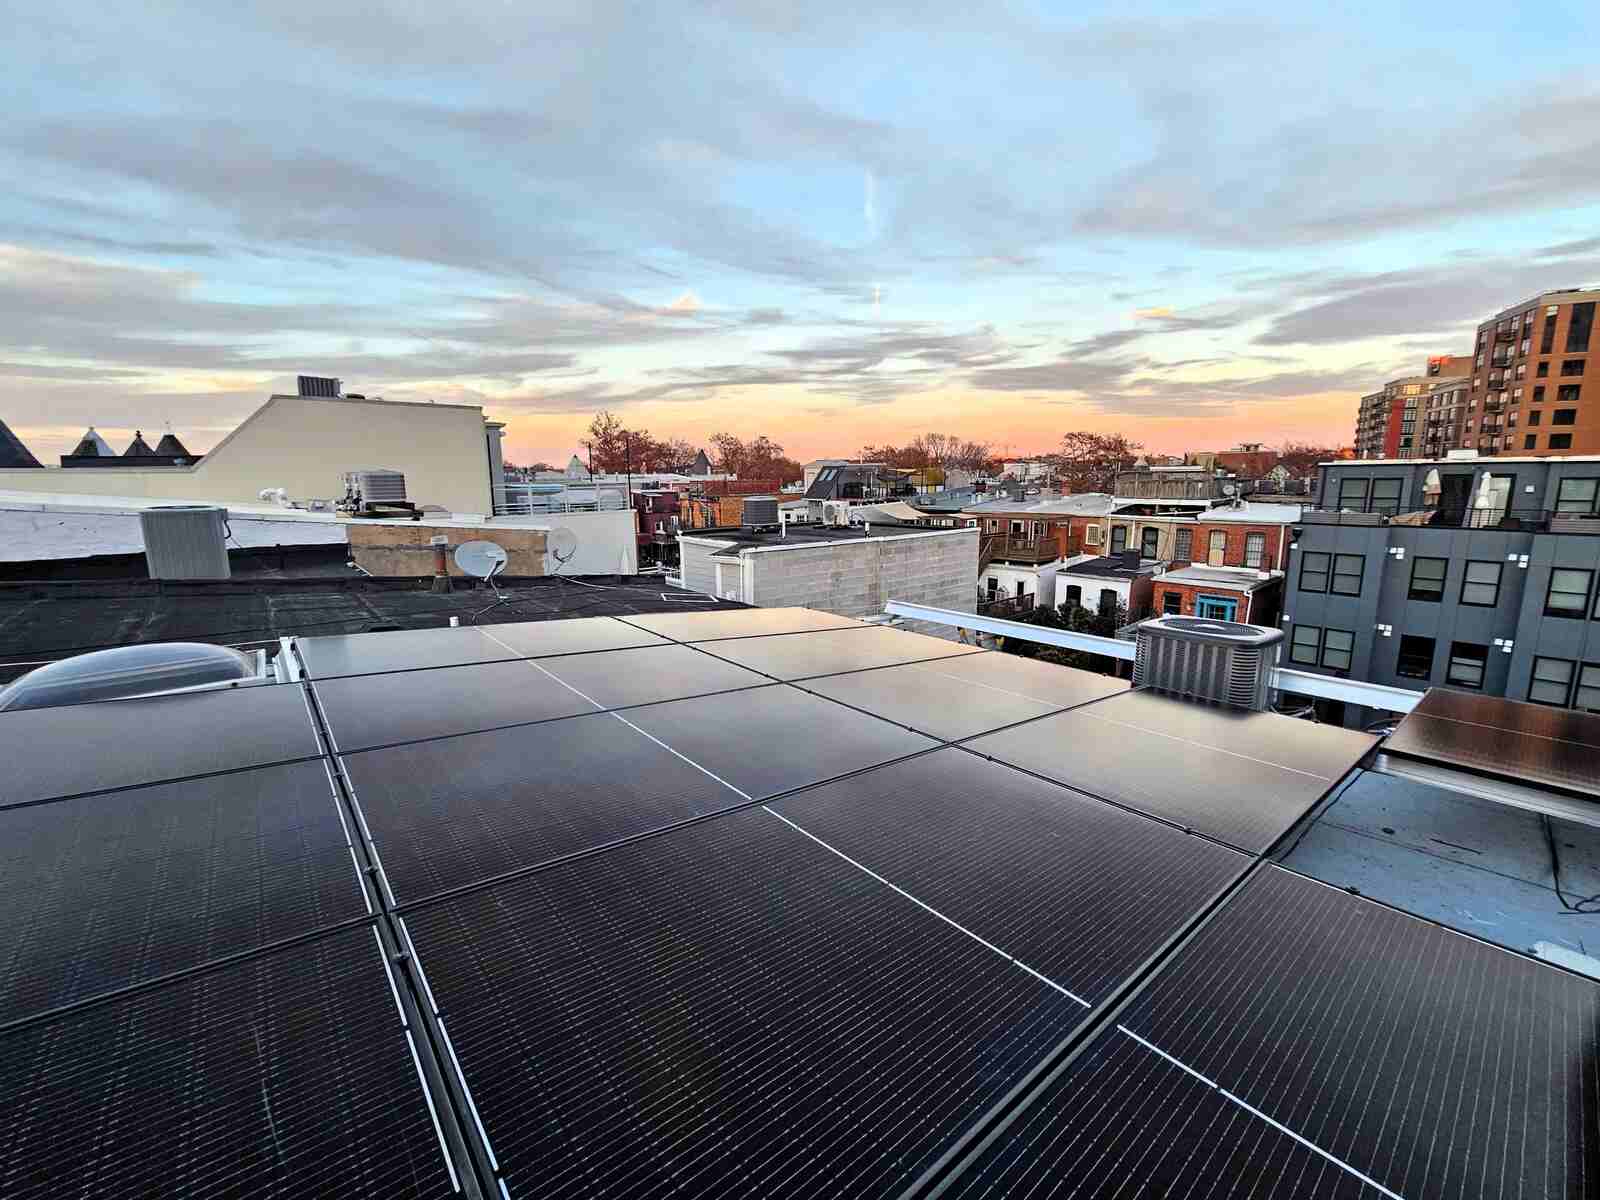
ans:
x=304 y=444
x=1092 y=588
x=606 y=541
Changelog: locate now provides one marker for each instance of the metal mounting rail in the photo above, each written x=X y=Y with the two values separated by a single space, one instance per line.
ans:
x=1304 y=683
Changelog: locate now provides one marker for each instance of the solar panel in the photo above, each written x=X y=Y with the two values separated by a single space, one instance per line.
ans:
x=646 y=676
x=776 y=738
x=533 y=639
x=1506 y=739
x=1078 y=890
x=739 y=622
x=1122 y=1121
x=381 y=710
x=1241 y=777
x=286 y=1074
x=103 y=891
x=397 y=650
x=803 y=655
x=727 y=1009
x=455 y=811
x=1436 y=1064
x=954 y=698
x=51 y=752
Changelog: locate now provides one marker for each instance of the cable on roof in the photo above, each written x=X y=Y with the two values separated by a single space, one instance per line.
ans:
x=1584 y=907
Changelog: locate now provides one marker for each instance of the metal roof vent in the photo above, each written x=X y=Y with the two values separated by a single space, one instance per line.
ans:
x=1225 y=661
x=128 y=671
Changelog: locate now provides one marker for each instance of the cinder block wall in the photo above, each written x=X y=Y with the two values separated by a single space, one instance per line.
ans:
x=856 y=579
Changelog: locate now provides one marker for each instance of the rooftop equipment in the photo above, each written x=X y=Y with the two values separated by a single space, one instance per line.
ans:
x=128 y=671
x=185 y=541
x=377 y=492
x=317 y=385
x=1225 y=661
x=760 y=512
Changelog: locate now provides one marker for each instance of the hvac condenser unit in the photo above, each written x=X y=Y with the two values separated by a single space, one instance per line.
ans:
x=375 y=486
x=760 y=512
x=1225 y=661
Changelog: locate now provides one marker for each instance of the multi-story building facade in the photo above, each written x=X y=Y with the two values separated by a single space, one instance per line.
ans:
x=1473 y=573
x=1536 y=377
x=1416 y=415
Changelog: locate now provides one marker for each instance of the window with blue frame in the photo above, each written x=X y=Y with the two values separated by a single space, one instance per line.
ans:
x=1216 y=608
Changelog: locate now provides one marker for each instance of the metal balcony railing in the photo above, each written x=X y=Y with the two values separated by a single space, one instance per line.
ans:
x=1524 y=520
x=1018 y=548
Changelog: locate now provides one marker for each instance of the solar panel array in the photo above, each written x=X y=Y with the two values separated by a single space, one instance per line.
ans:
x=746 y=902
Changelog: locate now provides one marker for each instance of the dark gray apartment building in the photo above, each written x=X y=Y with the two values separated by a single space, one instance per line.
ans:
x=1475 y=573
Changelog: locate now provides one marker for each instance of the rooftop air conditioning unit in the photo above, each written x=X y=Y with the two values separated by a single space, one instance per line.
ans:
x=759 y=512
x=377 y=485
x=837 y=514
x=1224 y=661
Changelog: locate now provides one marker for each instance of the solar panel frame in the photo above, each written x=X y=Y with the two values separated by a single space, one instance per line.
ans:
x=1504 y=739
x=74 y=750
x=287 y=1073
x=336 y=655
x=103 y=892
x=740 y=623
x=648 y=675
x=574 y=635
x=789 y=1064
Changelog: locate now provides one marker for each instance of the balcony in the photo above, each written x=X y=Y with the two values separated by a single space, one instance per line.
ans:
x=1018 y=548
x=1005 y=606
x=1524 y=520
x=1510 y=334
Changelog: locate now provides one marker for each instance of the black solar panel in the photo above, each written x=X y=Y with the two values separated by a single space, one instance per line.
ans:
x=104 y=891
x=1078 y=890
x=382 y=710
x=1436 y=1064
x=737 y=622
x=284 y=1075
x=1122 y=1121
x=803 y=655
x=774 y=739
x=649 y=675
x=398 y=650
x=1524 y=743
x=451 y=812
x=50 y=752
x=728 y=1009
x=578 y=635
x=1243 y=778
x=953 y=698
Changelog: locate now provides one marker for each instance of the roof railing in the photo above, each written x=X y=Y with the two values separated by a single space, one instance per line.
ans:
x=1503 y=520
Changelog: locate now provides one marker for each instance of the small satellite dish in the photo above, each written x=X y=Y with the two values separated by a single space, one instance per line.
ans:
x=482 y=560
x=1229 y=489
x=562 y=544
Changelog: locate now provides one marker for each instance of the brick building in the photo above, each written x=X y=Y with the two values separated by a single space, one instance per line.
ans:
x=1536 y=377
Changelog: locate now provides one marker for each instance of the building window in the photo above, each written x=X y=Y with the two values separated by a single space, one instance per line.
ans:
x=1533 y=417
x=1547 y=336
x=1091 y=535
x=1217 y=552
x=1569 y=593
x=1588 y=693
x=1185 y=550
x=1427 y=578
x=1304 y=644
x=1255 y=550
x=1074 y=595
x=1171 y=603
x=1467 y=662
x=1386 y=496
x=1215 y=608
x=1480 y=586
x=1572 y=366
x=1568 y=393
x=1416 y=657
x=1119 y=538
x=1561 y=441
x=1579 y=326
x=1347 y=570
x=993 y=586
x=1314 y=566
x=1353 y=494
x=1532 y=440
x=1542 y=371
x=1564 y=416
x=1577 y=496
x=1337 y=645
x=1108 y=601
x=1552 y=681
x=1150 y=541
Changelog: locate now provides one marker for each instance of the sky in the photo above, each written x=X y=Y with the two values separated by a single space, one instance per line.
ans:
x=834 y=224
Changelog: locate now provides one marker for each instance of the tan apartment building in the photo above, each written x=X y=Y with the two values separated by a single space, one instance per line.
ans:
x=1535 y=379
x=1394 y=421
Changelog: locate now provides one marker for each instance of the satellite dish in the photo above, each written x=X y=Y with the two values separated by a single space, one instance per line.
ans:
x=562 y=544
x=482 y=560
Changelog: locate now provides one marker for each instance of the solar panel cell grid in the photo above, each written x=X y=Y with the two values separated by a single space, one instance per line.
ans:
x=285 y=1075
x=726 y=1009
x=732 y=623
x=647 y=676
x=105 y=891
x=1076 y=889
x=804 y=655
x=1433 y=1063
x=51 y=752
x=397 y=650
x=451 y=812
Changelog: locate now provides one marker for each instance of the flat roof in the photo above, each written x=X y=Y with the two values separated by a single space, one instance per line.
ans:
x=678 y=894
x=1107 y=566
x=1242 y=578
